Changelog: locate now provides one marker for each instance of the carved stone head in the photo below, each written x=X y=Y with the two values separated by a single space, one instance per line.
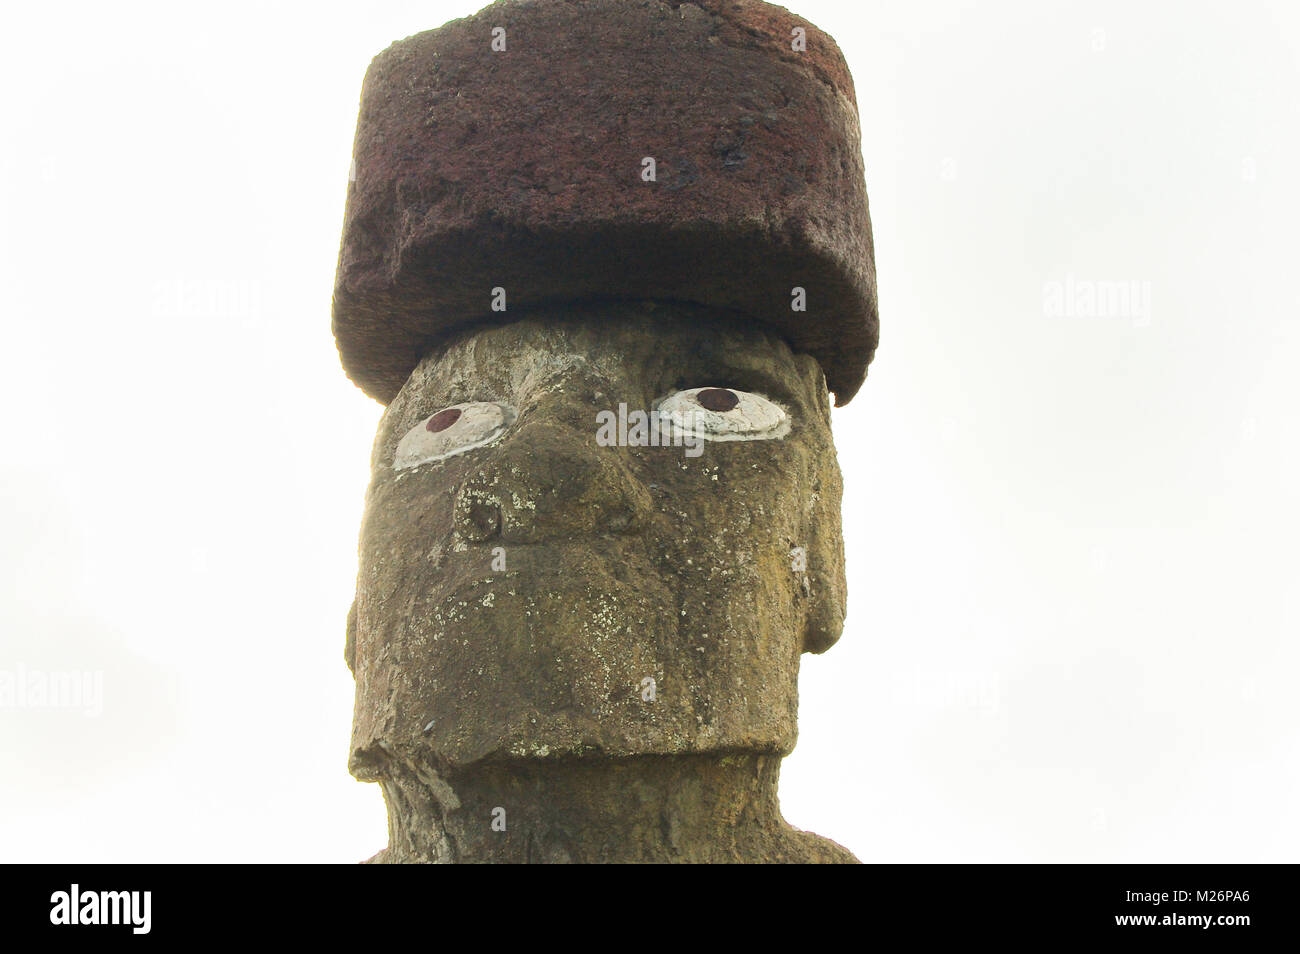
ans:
x=542 y=578
x=603 y=520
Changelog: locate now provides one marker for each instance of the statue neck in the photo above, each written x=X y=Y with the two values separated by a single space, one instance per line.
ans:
x=687 y=808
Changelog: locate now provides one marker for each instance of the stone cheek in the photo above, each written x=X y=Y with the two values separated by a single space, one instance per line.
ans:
x=526 y=622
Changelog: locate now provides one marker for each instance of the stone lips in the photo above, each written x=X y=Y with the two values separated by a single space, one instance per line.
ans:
x=521 y=169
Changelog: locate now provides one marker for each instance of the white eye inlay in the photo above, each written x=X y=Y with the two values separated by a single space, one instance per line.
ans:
x=725 y=414
x=452 y=431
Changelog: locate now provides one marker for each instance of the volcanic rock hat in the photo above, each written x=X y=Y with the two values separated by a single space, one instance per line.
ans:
x=558 y=151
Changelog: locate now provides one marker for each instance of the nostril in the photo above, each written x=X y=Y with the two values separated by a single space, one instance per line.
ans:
x=485 y=518
x=477 y=518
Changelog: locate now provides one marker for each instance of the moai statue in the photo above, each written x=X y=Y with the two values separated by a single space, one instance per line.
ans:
x=604 y=262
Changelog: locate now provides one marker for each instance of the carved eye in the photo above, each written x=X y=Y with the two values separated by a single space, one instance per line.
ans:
x=452 y=431
x=725 y=414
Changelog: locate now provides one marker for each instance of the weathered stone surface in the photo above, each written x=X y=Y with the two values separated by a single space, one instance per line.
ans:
x=523 y=686
x=521 y=169
x=652 y=809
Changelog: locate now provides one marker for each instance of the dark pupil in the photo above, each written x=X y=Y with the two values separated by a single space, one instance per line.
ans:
x=717 y=399
x=443 y=420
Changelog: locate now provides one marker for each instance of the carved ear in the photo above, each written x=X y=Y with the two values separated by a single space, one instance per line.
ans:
x=825 y=620
x=350 y=645
x=827 y=590
x=826 y=583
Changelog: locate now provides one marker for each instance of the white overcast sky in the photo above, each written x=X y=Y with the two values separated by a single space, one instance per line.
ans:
x=1071 y=539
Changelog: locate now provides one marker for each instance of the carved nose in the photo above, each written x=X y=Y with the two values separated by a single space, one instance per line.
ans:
x=548 y=482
